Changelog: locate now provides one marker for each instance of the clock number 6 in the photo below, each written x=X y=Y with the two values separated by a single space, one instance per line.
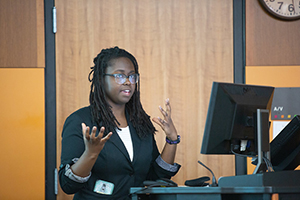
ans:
x=291 y=8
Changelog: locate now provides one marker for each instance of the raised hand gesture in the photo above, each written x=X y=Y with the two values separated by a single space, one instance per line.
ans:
x=166 y=123
x=94 y=144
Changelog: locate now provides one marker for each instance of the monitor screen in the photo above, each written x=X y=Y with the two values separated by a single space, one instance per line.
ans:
x=231 y=117
x=285 y=147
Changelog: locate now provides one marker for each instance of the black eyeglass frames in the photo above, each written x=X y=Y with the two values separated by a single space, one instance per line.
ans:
x=121 y=78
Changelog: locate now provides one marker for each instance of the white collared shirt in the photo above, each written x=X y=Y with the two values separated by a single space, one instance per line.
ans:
x=125 y=136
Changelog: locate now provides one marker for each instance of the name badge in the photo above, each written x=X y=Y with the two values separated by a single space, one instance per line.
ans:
x=104 y=187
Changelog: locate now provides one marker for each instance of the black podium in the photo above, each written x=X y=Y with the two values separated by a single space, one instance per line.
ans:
x=246 y=187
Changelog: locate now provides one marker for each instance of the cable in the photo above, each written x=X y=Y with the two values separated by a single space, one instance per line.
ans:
x=266 y=160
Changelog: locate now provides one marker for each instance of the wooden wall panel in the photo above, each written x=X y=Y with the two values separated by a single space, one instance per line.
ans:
x=22 y=33
x=181 y=47
x=270 y=41
x=22 y=102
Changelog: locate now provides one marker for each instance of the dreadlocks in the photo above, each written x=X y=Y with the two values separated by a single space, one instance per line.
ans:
x=101 y=110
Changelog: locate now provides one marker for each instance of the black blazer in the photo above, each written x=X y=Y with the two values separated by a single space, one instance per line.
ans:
x=113 y=163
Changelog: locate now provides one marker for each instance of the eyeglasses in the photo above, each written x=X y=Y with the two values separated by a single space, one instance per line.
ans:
x=121 y=78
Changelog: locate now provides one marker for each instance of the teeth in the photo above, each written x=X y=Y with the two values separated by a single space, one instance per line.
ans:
x=126 y=91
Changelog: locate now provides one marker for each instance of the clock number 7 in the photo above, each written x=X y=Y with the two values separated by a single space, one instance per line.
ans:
x=280 y=5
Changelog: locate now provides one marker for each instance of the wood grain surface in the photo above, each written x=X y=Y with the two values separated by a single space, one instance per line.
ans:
x=22 y=38
x=270 y=41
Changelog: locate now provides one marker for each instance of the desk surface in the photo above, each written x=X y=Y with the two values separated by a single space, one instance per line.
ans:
x=207 y=190
x=220 y=193
x=245 y=187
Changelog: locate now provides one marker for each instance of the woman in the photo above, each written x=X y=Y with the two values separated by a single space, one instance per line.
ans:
x=119 y=150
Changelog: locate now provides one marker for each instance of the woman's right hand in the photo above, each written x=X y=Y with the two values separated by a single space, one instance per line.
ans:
x=94 y=144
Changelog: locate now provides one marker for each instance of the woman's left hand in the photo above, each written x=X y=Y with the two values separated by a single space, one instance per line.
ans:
x=166 y=123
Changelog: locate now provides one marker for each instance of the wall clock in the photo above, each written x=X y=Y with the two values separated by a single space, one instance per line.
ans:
x=283 y=9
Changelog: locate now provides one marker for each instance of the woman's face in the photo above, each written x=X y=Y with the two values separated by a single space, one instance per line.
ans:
x=119 y=94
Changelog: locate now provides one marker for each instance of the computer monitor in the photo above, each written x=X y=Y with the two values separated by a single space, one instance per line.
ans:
x=231 y=118
x=285 y=147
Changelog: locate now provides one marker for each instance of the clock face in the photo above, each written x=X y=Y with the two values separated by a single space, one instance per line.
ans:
x=284 y=9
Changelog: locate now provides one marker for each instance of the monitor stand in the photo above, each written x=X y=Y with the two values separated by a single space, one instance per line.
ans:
x=263 y=143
